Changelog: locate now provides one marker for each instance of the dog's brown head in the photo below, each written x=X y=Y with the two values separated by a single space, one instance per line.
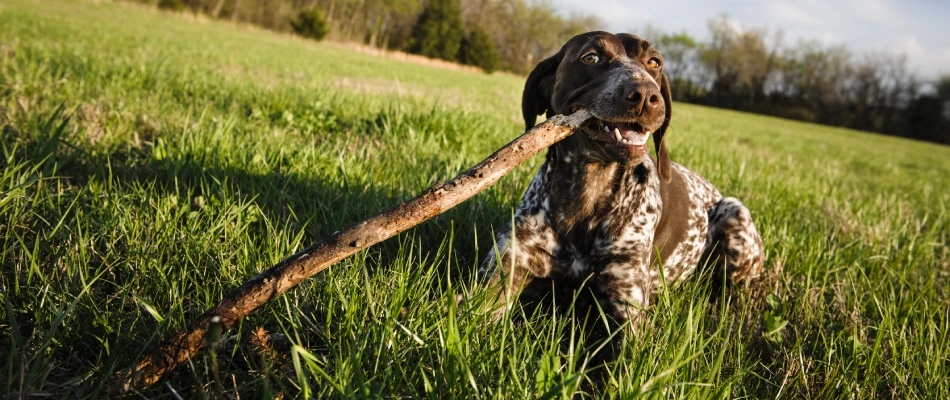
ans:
x=620 y=79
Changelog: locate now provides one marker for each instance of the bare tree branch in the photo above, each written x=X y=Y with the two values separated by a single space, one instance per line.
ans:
x=293 y=270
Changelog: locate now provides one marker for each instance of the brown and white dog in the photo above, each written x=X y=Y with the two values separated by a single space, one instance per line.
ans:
x=601 y=208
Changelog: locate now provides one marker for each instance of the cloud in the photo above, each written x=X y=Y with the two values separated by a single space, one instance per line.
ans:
x=926 y=61
x=791 y=13
x=875 y=10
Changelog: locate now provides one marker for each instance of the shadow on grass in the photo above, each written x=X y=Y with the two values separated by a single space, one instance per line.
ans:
x=308 y=206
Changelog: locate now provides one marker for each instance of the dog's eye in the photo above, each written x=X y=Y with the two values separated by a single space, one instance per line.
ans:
x=653 y=63
x=590 y=58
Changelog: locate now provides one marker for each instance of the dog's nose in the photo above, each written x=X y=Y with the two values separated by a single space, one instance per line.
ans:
x=642 y=97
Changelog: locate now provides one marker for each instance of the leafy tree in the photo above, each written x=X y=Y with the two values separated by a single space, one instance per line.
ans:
x=943 y=92
x=680 y=59
x=174 y=5
x=478 y=50
x=438 y=33
x=928 y=116
x=925 y=120
x=310 y=23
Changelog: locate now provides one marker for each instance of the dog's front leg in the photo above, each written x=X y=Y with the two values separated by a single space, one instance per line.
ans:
x=625 y=278
x=628 y=287
x=519 y=256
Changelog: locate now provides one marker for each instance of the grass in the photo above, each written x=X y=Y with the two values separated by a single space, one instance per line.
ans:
x=151 y=162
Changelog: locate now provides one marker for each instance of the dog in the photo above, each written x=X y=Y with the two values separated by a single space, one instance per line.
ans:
x=601 y=209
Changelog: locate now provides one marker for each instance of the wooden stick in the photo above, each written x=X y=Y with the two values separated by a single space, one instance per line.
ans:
x=291 y=271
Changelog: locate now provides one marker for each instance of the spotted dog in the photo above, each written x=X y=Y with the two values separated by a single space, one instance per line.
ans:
x=601 y=208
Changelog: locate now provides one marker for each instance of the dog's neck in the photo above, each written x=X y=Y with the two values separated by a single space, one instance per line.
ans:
x=583 y=193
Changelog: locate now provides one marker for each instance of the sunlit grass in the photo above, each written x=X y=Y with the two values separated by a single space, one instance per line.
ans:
x=151 y=162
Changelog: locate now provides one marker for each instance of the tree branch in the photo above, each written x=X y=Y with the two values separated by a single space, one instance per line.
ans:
x=293 y=270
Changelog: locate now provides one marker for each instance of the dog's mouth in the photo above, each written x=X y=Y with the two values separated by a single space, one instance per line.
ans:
x=631 y=135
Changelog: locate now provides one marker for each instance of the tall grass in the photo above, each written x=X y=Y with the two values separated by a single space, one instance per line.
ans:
x=151 y=162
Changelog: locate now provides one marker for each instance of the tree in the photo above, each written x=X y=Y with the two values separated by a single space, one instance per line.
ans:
x=943 y=93
x=525 y=32
x=478 y=50
x=716 y=60
x=925 y=120
x=809 y=80
x=438 y=33
x=174 y=5
x=310 y=23
x=680 y=54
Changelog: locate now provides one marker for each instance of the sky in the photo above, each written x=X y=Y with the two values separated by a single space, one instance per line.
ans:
x=920 y=29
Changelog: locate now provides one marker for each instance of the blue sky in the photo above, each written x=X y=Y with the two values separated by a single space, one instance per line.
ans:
x=918 y=28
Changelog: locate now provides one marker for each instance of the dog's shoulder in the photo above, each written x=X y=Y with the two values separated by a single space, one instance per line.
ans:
x=692 y=188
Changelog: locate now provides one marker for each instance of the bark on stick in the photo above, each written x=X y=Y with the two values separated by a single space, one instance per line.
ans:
x=288 y=273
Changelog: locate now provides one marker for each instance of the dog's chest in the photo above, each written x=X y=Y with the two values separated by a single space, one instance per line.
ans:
x=599 y=213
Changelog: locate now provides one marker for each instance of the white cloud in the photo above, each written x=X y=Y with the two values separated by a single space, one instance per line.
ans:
x=927 y=62
x=911 y=47
x=875 y=10
x=791 y=13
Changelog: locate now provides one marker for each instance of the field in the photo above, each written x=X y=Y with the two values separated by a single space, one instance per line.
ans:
x=152 y=162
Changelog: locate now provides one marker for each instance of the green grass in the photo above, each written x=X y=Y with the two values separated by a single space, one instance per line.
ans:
x=151 y=162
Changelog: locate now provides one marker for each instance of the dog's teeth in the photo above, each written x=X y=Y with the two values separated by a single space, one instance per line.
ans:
x=617 y=134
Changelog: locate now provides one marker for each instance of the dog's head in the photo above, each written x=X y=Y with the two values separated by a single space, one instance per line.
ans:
x=619 y=79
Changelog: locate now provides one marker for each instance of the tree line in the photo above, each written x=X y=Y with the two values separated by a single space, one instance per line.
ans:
x=509 y=35
x=740 y=68
x=755 y=70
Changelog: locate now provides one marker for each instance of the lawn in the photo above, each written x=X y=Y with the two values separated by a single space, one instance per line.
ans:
x=152 y=162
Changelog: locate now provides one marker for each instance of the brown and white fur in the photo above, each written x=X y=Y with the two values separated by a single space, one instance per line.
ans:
x=601 y=208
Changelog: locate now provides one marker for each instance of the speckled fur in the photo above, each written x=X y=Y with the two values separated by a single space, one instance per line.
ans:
x=616 y=222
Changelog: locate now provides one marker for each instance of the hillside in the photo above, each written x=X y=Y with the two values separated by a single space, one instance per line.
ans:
x=153 y=161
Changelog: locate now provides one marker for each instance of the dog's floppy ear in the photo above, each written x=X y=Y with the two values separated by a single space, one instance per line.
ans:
x=662 y=157
x=539 y=87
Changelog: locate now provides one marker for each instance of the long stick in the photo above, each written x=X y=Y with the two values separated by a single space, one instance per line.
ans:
x=291 y=271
